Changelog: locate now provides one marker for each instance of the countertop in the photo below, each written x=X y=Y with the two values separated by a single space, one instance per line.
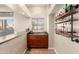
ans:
x=38 y=33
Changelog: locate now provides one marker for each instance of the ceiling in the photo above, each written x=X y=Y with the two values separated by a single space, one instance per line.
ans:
x=26 y=8
x=37 y=5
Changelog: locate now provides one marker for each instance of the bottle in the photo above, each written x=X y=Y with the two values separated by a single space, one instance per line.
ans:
x=69 y=7
x=75 y=6
x=66 y=10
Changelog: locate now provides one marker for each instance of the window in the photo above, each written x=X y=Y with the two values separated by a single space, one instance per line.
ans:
x=0 y=25
x=6 y=25
x=38 y=24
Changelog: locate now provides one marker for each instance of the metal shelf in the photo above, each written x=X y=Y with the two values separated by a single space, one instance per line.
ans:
x=67 y=14
x=71 y=20
x=66 y=21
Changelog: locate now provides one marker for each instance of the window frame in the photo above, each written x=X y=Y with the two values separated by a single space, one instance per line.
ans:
x=4 y=19
x=42 y=25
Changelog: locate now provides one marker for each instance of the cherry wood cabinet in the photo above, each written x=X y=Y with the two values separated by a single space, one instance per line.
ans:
x=37 y=41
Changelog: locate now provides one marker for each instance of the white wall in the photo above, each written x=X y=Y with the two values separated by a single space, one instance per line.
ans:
x=51 y=31
x=3 y=8
x=21 y=23
x=50 y=8
x=50 y=25
x=64 y=45
x=14 y=46
x=17 y=45
x=39 y=12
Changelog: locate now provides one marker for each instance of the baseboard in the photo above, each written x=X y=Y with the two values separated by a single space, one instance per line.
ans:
x=54 y=50
x=24 y=51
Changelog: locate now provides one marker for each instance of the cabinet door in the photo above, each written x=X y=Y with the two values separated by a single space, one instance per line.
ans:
x=44 y=41
x=38 y=41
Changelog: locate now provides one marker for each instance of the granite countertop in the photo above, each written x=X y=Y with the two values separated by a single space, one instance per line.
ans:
x=38 y=33
x=4 y=39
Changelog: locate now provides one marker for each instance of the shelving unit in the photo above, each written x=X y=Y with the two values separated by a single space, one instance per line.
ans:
x=60 y=20
x=66 y=21
x=67 y=14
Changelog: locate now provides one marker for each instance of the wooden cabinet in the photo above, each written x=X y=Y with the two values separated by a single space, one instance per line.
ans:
x=37 y=41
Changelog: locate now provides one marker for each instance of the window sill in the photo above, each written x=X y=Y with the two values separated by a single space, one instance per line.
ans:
x=10 y=37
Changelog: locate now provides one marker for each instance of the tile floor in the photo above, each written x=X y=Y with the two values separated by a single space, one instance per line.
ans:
x=40 y=51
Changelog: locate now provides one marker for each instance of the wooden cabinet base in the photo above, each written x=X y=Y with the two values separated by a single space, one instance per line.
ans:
x=37 y=41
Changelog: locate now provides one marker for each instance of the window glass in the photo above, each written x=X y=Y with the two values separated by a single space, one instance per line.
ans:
x=9 y=26
x=0 y=25
x=6 y=25
x=38 y=24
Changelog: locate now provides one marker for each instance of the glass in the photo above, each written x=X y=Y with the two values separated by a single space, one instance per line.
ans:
x=9 y=26
x=6 y=27
x=38 y=24
x=1 y=25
